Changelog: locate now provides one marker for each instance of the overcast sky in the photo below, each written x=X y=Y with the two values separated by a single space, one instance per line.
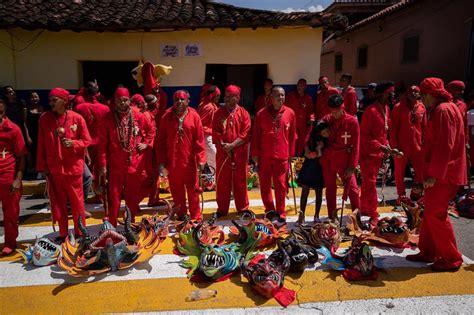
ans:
x=281 y=5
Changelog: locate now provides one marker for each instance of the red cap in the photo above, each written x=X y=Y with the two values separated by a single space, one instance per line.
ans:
x=60 y=93
x=233 y=90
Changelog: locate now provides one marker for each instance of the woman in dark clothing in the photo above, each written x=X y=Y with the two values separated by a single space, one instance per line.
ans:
x=311 y=174
x=35 y=109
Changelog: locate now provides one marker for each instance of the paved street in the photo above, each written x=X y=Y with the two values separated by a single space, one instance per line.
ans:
x=161 y=285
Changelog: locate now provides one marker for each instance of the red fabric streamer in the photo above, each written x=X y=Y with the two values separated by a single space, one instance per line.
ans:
x=149 y=81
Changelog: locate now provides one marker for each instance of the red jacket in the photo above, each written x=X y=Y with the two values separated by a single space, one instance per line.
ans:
x=111 y=154
x=207 y=112
x=180 y=151
x=274 y=137
x=262 y=101
x=12 y=146
x=350 y=100
x=373 y=130
x=321 y=108
x=463 y=109
x=303 y=108
x=445 y=149
x=52 y=154
x=343 y=142
x=93 y=114
x=227 y=127
x=407 y=126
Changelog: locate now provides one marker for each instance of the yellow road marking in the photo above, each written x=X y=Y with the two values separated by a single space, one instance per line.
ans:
x=155 y=295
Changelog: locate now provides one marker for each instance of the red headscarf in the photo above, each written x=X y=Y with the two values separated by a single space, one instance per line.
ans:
x=60 y=93
x=121 y=91
x=457 y=84
x=137 y=98
x=181 y=94
x=149 y=80
x=233 y=90
x=435 y=87
x=210 y=96
x=204 y=90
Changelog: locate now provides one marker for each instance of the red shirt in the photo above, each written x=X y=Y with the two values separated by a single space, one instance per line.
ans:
x=373 y=130
x=92 y=114
x=407 y=125
x=350 y=100
x=206 y=112
x=229 y=126
x=12 y=145
x=321 y=108
x=111 y=153
x=52 y=154
x=262 y=101
x=160 y=111
x=445 y=151
x=303 y=108
x=274 y=134
x=177 y=150
x=343 y=141
x=463 y=109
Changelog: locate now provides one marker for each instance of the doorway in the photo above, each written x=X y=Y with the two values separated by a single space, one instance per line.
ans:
x=249 y=78
x=109 y=74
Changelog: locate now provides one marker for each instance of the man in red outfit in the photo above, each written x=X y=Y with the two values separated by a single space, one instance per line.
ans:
x=62 y=141
x=273 y=144
x=302 y=104
x=341 y=155
x=93 y=114
x=373 y=147
x=179 y=150
x=206 y=110
x=124 y=136
x=456 y=89
x=445 y=154
x=12 y=164
x=349 y=94
x=407 y=124
x=264 y=99
x=231 y=135
x=325 y=92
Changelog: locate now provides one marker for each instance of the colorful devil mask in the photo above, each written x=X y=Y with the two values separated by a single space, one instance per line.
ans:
x=414 y=216
x=326 y=234
x=357 y=262
x=209 y=233
x=266 y=275
x=44 y=252
x=110 y=250
x=389 y=231
x=214 y=262
x=300 y=254
x=266 y=230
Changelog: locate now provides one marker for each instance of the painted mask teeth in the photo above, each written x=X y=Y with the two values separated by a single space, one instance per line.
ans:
x=262 y=229
x=213 y=260
x=299 y=257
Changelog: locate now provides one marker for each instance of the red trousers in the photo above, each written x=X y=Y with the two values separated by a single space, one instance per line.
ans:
x=61 y=189
x=11 y=211
x=437 y=240
x=231 y=178
x=273 y=170
x=330 y=172
x=400 y=166
x=128 y=185
x=184 y=181
x=369 y=168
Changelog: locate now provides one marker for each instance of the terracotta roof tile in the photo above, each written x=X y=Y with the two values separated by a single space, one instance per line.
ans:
x=123 y=15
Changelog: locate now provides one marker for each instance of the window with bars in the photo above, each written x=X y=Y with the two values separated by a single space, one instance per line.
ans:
x=411 y=48
x=338 y=63
x=362 y=56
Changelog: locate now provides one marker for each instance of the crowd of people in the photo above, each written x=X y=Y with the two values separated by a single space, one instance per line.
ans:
x=124 y=145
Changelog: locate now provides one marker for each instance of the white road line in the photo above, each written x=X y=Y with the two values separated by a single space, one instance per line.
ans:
x=15 y=274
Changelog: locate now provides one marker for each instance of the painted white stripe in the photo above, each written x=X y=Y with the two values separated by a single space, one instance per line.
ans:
x=459 y=304
x=14 y=274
